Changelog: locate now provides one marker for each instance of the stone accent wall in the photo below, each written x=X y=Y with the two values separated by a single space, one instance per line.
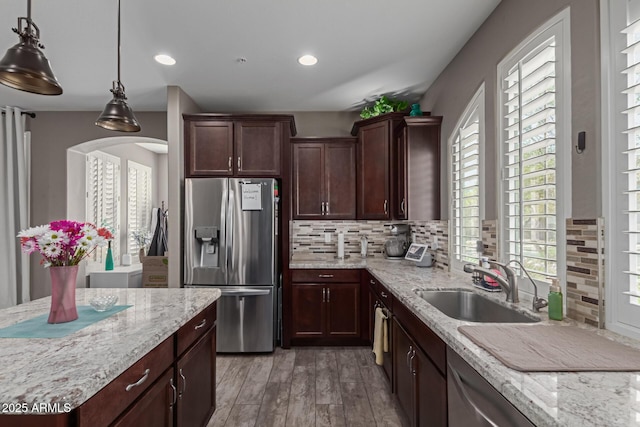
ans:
x=490 y=238
x=585 y=271
x=307 y=237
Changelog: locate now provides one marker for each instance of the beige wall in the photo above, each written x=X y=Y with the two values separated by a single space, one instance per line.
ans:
x=510 y=23
x=52 y=133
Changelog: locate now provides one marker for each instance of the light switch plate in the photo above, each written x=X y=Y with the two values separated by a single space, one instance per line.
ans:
x=327 y=237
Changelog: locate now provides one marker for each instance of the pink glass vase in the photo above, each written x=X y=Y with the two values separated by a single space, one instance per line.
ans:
x=63 y=294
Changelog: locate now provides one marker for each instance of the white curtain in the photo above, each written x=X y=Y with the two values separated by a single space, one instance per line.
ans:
x=14 y=208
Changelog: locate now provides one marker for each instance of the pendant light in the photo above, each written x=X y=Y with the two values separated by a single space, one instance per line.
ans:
x=24 y=66
x=117 y=115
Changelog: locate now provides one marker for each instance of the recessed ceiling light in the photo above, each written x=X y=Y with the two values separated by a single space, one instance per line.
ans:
x=164 y=59
x=308 y=60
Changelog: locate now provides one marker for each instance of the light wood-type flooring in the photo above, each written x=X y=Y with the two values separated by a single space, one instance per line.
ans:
x=304 y=386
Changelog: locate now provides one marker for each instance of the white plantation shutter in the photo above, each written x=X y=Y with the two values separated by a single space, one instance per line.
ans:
x=531 y=88
x=466 y=186
x=103 y=198
x=139 y=202
x=629 y=181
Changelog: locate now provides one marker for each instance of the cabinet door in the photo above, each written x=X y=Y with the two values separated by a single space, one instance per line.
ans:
x=196 y=382
x=373 y=172
x=432 y=393
x=403 y=375
x=307 y=300
x=209 y=149
x=308 y=181
x=343 y=310
x=258 y=146
x=154 y=408
x=399 y=172
x=340 y=180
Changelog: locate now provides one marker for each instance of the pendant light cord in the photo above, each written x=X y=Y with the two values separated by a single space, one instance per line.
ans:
x=119 y=48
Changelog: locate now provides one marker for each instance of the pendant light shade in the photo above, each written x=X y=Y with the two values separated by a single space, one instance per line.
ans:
x=24 y=66
x=117 y=115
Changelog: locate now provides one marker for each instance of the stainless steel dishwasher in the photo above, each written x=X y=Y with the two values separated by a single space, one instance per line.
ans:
x=474 y=402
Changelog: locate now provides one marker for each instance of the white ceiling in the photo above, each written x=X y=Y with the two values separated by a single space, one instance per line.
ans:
x=365 y=48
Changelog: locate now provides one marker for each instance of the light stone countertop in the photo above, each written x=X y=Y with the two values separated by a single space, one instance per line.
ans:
x=74 y=368
x=562 y=399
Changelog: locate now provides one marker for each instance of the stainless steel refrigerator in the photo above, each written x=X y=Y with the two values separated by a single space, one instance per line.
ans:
x=231 y=243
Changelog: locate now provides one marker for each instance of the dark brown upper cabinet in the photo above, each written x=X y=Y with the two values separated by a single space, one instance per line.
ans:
x=324 y=178
x=248 y=145
x=398 y=167
x=417 y=168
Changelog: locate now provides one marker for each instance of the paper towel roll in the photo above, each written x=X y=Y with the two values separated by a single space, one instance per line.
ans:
x=341 y=245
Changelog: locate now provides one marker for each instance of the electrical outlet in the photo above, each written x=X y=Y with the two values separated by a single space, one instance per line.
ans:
x=434 y=245
x=479 y=246
x=327 y=237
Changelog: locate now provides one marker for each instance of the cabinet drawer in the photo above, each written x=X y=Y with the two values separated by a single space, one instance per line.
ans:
x=424 y=337
x=381 y=292
x=326 y=275
x=195 y=328
x=112 y=400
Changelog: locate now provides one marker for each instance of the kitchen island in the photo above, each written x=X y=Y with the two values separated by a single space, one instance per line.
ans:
x=131 y=364
x=556 y=399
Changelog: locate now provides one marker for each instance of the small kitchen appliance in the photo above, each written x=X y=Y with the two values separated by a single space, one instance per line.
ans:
x=418 y=254
x=396 y=246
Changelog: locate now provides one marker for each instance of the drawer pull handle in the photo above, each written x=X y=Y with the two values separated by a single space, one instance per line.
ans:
x=140 y=381
x=201 y=324
x=373 y=282
x=325 y=276
x=229 y=162
x=383 y=294
x=184 y=384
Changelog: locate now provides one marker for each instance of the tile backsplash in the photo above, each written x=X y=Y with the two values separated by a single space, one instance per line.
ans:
x=308 y=237
x=585 y=271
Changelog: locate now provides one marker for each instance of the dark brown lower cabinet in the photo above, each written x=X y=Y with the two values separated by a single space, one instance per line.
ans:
x=196 y=386
x=154 y=408
x=420 y=388
x=326 y=310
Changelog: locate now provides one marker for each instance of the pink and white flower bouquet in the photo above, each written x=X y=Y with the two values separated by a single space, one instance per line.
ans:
x=63 y=243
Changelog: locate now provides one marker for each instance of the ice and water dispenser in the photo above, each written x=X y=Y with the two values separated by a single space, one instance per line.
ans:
x=209 y=240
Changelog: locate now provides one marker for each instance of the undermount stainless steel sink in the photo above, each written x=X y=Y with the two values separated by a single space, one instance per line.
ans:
x=467 y=305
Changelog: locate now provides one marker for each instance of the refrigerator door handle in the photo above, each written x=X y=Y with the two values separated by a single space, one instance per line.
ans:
x=244 y=292
x=230 y=257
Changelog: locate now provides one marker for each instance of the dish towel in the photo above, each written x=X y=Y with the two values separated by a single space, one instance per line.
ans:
x=380 y=335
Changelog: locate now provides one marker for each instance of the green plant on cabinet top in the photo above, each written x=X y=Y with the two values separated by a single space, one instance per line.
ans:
x=382 y=106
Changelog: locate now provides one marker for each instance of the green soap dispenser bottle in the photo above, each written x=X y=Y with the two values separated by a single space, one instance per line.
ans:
x=555 y=300
x=108 y=263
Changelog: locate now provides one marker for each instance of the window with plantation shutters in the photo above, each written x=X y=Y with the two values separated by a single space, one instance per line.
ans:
x=103 y=198
x=138 y=202
x=621 y=191
x=466 y=209
x=533 y=124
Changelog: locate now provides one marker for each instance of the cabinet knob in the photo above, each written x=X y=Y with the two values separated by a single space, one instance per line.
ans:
x=373 y=282
x=383 y=294
x=140 y=381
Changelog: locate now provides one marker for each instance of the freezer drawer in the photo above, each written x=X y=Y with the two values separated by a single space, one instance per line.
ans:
x=246 y=320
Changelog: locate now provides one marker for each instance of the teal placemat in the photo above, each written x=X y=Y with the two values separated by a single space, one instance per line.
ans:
x=39 y=328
